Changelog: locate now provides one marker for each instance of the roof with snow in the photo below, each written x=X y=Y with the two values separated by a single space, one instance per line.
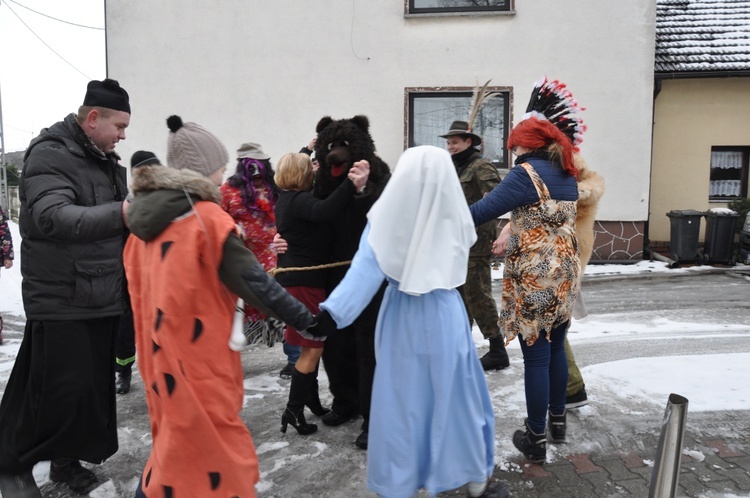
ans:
x=702 y=36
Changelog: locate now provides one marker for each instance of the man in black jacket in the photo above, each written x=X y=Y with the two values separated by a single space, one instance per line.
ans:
x=59 y=403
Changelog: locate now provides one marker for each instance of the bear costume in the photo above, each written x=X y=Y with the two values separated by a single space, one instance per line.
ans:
x=349 y=354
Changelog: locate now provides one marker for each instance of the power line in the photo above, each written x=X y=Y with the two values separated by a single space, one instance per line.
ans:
x=19 y=129
x=45 y=43
x=55 y=18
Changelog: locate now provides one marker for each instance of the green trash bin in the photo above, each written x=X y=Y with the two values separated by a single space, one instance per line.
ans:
x=718 y=246
x=685 y=227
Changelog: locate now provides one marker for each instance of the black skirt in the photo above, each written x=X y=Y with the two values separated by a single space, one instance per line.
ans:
x=60 y=398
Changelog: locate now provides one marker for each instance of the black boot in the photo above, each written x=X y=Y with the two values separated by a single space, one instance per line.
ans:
x=313 y=399
x=294 y=413
x=557 y=427
x=72 y=473
x=532 y=445
x=495 y=490
x=122 y=382
x=496 y=358
x=361 y=441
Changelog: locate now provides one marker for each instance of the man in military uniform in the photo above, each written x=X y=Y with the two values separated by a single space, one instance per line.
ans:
x=478 y=176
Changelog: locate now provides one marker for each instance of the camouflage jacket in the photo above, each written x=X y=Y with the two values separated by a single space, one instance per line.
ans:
x=478 y=177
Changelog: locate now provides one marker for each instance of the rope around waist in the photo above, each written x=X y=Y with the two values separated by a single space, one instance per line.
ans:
x=274 y=271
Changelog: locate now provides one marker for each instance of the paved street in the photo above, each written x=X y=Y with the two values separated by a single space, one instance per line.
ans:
x=612 y=442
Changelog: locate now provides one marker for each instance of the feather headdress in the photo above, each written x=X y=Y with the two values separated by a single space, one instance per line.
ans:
x=551 y=100
x=481 y=96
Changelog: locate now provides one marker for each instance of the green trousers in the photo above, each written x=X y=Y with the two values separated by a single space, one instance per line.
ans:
x=575 y=379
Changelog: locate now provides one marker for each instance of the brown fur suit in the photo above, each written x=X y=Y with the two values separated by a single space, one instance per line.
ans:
x=590 y=190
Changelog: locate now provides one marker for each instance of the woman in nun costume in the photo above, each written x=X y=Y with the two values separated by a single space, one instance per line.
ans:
x=432 y=424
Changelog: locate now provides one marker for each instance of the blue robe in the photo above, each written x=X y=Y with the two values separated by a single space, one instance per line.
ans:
x=431 y=421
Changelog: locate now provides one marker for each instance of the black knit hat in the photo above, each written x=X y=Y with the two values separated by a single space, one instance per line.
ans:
x=143 y=158
x=107 y=93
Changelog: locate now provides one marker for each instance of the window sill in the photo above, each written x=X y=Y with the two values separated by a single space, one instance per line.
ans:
x=460 y=14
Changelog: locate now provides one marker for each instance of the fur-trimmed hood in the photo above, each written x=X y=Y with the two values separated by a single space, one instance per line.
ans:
x=162 y=194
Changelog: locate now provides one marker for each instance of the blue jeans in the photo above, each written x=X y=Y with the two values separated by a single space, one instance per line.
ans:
x=292 y=353
x=139 y=491
x=545 y=377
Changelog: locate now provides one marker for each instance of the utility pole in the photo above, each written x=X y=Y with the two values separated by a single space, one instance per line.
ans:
x=3 y=172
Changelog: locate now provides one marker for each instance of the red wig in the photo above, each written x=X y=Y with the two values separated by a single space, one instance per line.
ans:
x=534 y=134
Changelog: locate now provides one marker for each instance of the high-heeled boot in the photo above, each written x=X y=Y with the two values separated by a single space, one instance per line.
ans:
x=557 y=427
x=294 y=414
x=532 y=445
x=313 y=399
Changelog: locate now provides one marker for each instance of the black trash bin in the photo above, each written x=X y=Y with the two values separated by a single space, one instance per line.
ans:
x=718 y=246
x=685 y=226
x=745 y=240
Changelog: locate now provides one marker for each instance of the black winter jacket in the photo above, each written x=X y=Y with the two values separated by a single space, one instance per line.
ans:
x=71 y=225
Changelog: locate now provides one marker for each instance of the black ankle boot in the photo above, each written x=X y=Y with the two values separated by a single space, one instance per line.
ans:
x=496 y=358
x=72 y=473
x=495 y=490
x=557 y=427
x=313 y=399
x=122 y=381
x=361 y=441
x=532 y=445
x=294 y=413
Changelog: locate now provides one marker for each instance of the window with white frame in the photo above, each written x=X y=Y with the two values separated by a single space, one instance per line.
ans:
x=431 y=112
x=729 y=169
x=457 y=6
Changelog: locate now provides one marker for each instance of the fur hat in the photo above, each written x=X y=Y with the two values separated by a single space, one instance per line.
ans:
x=251 y=150
x=107 y=93
x=190 y=146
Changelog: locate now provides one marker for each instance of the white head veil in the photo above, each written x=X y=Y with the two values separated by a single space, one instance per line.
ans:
x=420 y=227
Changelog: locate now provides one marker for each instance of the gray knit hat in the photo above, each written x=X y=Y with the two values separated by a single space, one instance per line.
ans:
x=190 y=146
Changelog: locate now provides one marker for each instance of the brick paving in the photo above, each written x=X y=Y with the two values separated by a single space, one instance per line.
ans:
x=712 y=465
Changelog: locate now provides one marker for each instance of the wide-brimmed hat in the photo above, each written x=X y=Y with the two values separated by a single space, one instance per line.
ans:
x=252 y=150
x=461 y=128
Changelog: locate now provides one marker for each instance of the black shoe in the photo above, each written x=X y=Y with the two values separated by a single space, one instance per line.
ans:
x=557 y=427
x=577 y=400
x=19 y=486
x=72 y=473
x=286 y=372
x=297 y=420
x=333 y=418
x=361 y=441
x=122 y=382
x=496 y=358
x=495 y=490
x=532 y=445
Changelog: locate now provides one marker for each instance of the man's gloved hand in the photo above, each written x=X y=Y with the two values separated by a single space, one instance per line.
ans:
x=321 y=328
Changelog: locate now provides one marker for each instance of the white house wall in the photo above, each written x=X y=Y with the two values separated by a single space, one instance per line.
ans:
x=267 y=71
